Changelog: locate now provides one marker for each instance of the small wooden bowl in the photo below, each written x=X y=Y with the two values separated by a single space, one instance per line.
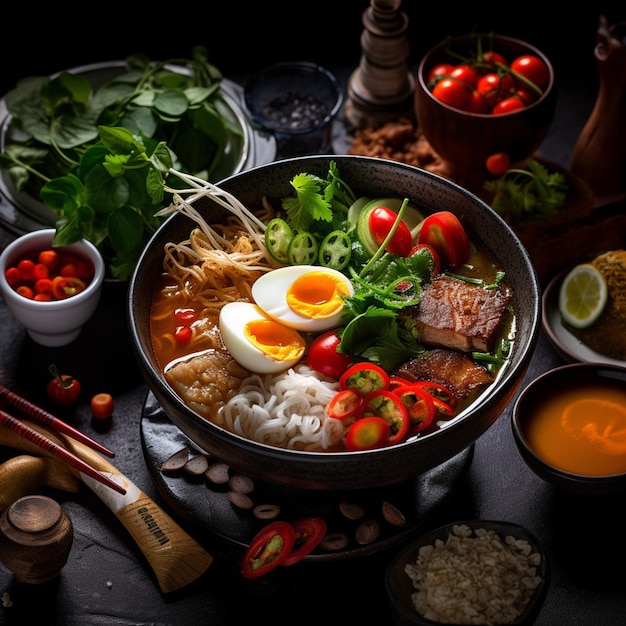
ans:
x=464 y=140
x=36 y=536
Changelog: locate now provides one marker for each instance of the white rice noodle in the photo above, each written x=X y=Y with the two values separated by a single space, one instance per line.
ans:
x=285 y=410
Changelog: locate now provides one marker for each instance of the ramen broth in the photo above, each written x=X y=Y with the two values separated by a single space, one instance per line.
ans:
x=581 y=428
x=180 y=294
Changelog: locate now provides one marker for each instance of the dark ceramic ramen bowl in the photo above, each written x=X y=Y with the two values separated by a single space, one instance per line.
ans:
x=362 y=469
x=535 y=395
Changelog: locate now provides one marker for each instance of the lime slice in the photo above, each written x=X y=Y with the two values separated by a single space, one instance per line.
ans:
x=582 y=296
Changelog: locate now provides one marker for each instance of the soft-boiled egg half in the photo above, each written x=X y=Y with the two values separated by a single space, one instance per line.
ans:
x=308 y=298
x=256 y=341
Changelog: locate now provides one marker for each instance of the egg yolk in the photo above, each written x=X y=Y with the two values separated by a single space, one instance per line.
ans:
x=275 y=340
x=317 y=295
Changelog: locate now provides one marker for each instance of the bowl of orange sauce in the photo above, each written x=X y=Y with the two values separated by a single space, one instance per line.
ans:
x=569 y=425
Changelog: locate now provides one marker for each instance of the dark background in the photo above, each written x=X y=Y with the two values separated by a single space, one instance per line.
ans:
x=243 y=36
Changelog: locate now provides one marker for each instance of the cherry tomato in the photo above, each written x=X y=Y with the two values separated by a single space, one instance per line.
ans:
x=532 y=68
x=386 y=404
x=364 y=377
x=345 y=403
x=445 y=233
x=441 y=69
x=183 y=334
x=63 y=389
x=425 y=248
x=476 y=103
x=498 y=163
x=493 y=58
x=452 y=92
x=102 y=406
x=494 y=87
x=466 y=74
x=324 y=358
x=508 y=105
x=367 y=433
x=381 y=221
x=269 y=548
x=309 y=532
x=419 y=405
x=50 y=258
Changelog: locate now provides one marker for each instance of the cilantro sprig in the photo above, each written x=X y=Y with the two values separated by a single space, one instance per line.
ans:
x=99 y=158
x=533 y=193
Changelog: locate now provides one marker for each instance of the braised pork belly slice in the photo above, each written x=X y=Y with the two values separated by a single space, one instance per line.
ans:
x=455 y=370
x=455 y=314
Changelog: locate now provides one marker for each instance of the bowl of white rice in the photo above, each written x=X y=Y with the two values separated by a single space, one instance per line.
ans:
x=480 y=572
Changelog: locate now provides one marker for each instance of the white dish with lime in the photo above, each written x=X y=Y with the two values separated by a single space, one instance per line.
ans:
x=576 y=296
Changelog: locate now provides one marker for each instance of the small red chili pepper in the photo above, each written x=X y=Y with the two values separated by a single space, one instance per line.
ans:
x=386 y=404
x=419 y=405
x=365 y=377
x=344 y=404
x=309 y=532
x=367 y=433
x=269 y=548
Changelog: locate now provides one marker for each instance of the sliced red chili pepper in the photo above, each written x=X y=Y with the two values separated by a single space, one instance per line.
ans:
x=438 y=391
x=309 y=532
x=397 y=381
x=443 y=408
x=365 y=377
x=269 y=548
x=185 y=315
x=344 y=404
x=386 y=404
x=420 y=406
x=367 y=433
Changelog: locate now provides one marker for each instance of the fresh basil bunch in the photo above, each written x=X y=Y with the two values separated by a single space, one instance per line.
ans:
x=99 y=158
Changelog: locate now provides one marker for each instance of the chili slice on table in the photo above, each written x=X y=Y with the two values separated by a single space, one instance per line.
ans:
x=367 y=433
x=309 y=532
x=386 y=404
x=365 y=377
x=268 y=549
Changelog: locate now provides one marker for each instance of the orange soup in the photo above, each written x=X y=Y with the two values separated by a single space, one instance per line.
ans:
x=582 y=429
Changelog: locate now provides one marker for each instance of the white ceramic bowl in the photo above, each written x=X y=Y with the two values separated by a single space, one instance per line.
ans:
x=58 y=322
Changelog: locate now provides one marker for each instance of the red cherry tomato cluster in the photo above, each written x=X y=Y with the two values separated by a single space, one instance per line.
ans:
x=488 y=84
x=385 y=410
x=282 y=543
x=50 y=275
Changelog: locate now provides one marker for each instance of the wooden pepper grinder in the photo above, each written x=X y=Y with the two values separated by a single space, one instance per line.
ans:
x=36 y=535
x=381 y=88
x=599 y=156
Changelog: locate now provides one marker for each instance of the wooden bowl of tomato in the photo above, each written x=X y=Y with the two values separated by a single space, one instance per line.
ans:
x=361 y=460
x=481 y=95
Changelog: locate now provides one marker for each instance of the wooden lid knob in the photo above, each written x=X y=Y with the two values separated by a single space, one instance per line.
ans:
x=36 y=535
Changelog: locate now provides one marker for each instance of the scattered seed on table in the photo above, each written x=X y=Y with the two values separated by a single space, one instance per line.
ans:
x=240 y=500
x=333 y=542
x=266 y=511
x=176 y=462
x=197 y=465
x=367 y=532
x=241 y=483
x=392 y=514
x=218 y=473
x=351 y=511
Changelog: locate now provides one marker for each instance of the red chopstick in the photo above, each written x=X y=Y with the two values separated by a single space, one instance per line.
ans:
x=44 y=417
x=23 y=430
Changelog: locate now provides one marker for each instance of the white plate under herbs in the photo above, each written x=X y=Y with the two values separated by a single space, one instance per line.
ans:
x=21 y=213
x=568 y=345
